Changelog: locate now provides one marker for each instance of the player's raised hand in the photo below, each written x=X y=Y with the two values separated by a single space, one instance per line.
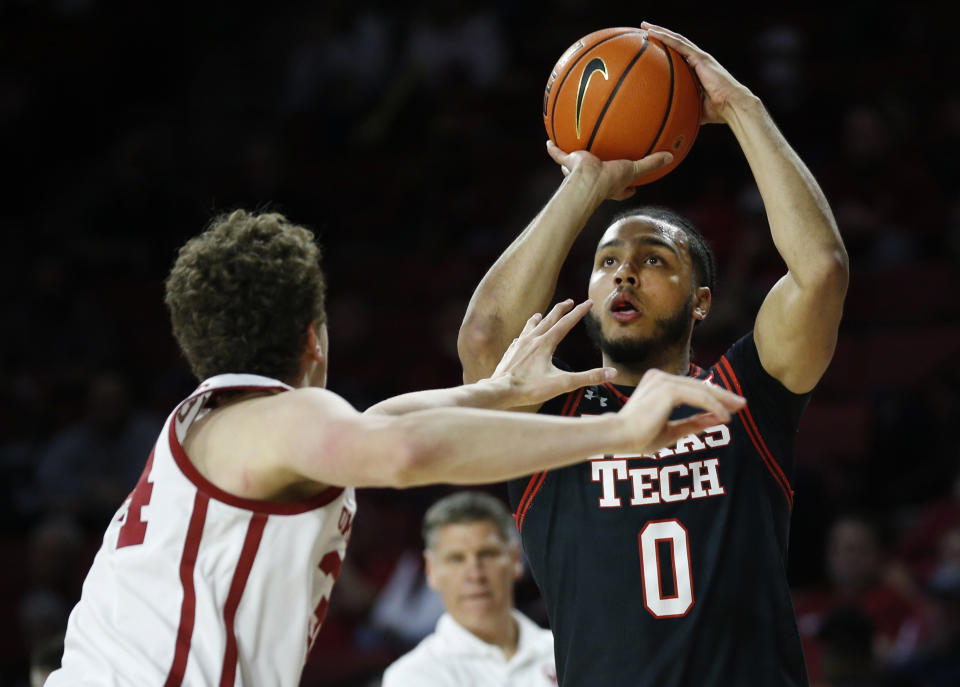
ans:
x=720 y=90
x=647 y=413
x=613 y=177
x=528 y=361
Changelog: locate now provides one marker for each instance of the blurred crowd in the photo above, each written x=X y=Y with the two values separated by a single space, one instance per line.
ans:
x=409 y=137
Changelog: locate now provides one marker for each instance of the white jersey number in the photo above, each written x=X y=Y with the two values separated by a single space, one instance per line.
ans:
x=656 y=602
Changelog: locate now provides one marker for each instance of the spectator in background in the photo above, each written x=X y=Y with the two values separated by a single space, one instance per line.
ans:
x=856 y=580
x=452 y=42
x=56 y=560
x=407 y=608
x=450 y=50
x=945 y=577
x=45 y=659
x=846 y=640
x=935 y=662
x=338 y=48
x=90 y=466
x=920 y=547
x=473 y=559
x=944 y=586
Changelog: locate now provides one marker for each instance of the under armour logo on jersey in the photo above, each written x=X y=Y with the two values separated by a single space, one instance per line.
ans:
x=591 y=395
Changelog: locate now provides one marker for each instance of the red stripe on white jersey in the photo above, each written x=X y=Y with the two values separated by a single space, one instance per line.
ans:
x=188 y=607
x=191 y=472
x=251 y=544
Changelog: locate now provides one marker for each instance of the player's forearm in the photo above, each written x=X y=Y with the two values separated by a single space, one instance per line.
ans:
x=524 y=277
x=801 y=222
x=487 y=393
x=468 y=446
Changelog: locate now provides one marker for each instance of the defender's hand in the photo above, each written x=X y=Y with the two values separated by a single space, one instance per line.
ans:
x=612 y=178
x=647 y=413
x=721 y=92
x=527 y=365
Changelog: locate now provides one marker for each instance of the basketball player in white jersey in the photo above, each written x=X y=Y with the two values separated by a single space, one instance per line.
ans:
x=218 y=568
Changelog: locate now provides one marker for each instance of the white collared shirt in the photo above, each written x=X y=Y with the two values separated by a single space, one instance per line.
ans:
x=454 y=657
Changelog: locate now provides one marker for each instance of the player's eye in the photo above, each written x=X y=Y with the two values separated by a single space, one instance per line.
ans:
x=607 y=261
x=654 y=260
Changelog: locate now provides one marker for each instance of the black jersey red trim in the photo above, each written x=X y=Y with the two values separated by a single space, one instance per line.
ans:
x=725 y=369
x=619 y=395
x=536 y=481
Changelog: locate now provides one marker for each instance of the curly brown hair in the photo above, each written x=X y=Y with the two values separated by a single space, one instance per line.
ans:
x=243 y=293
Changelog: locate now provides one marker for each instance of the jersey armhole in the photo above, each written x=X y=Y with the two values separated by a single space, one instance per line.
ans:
x=190 y=471
x=570 y=406
x=728 y=379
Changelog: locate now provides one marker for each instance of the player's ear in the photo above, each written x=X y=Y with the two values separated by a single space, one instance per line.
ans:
x=316 y=346
x=702 y=298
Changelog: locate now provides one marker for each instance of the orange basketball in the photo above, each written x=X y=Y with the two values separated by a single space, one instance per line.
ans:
x=622 y=95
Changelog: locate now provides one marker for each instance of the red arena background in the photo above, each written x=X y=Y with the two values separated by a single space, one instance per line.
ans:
x=410 y=137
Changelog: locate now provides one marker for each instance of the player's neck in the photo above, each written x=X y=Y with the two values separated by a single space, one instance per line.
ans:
x=674 y=361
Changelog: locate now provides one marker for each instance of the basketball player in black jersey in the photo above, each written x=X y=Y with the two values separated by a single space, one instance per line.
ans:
x=669 y=569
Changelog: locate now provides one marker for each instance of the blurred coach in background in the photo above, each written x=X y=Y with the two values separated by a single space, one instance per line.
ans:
x=473 y=559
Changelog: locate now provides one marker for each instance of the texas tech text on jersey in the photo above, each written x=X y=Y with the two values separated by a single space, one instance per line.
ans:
x=651 y=485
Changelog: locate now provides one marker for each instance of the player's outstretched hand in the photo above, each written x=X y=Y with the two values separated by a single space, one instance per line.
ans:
x=720 y=90
x=528 y=362
x=647 y=413
x=613 y=177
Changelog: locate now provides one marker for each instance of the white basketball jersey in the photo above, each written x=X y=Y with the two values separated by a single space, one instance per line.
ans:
x=195 y=586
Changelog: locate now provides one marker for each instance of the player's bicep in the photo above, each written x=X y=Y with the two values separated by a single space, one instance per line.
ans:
x=796 y=332
x=324 y=439
x=483 y=339
x=479 y=359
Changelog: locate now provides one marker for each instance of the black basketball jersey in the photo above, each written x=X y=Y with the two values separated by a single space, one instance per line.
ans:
x=669 y=570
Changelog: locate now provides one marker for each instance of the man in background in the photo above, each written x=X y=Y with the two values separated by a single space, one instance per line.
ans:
x=473 y=560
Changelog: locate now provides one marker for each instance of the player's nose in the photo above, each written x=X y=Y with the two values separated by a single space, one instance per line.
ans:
x=625 y=273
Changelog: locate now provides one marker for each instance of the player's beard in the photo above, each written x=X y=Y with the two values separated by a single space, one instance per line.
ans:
x=636 y=352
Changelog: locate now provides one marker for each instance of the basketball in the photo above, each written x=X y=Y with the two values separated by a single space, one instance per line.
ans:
x=621 y=95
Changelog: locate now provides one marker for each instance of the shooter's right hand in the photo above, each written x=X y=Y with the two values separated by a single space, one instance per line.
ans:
x=612 y=179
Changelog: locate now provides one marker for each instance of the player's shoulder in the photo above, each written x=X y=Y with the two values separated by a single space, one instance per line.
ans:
x=312 y=396
x=304 y=407
x=744 y=348
x=269 y=415
x=739 y=362
x=741 y=370
x=273 y=437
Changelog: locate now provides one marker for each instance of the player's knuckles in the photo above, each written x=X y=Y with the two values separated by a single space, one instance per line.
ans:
x=652 y=374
